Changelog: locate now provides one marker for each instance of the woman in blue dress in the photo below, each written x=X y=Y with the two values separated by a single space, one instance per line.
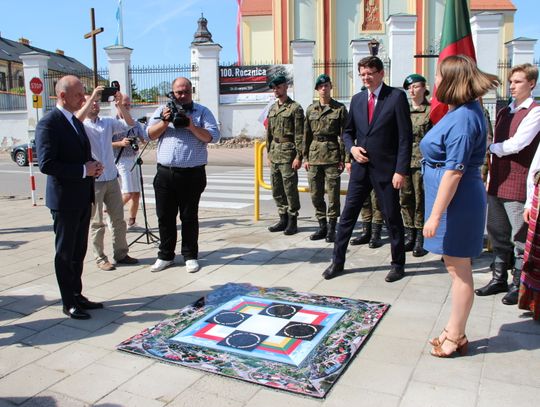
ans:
x=455 y=195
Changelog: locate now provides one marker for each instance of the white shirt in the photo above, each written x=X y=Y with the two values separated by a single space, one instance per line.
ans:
x=525 y=134
x=100 y=134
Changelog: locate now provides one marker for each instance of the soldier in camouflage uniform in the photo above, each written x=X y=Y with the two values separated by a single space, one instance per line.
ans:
x=324 y=155
x=412 y=193
x=284 y=140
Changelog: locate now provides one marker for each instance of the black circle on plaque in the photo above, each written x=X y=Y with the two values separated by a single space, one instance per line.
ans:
x=281 y=310
x=241 y=340
x=300 y=331
x=228 y=318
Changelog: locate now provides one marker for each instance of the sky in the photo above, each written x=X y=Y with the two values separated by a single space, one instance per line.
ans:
x=159 y=31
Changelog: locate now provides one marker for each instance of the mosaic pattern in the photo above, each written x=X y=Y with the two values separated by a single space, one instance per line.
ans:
x=279 y=338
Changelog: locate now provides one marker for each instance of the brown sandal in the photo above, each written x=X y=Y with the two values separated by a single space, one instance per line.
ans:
x=436 y=341
x=462 y=344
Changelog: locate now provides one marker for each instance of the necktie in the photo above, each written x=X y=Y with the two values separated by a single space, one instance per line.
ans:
x=371 y=106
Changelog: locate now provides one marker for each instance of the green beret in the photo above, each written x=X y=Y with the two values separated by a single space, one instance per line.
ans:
x=412 y=78
x=277 y=80
x=322 y=78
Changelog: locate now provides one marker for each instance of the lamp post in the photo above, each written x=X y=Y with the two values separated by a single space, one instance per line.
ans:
x=373 y=47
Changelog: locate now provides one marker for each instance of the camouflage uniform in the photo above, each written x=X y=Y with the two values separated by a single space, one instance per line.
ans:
x=485 y=167
x=371 y=213
x=284 y=144
x=324 y=150
x=412 y=192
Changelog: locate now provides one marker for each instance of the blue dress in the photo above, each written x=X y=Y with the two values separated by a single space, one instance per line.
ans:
x=457 y=142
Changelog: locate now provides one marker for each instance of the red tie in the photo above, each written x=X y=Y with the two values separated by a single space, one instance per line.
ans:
x=371 y=106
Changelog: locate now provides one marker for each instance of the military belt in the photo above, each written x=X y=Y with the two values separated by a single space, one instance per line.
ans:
x=283 y=140
x=325 y=138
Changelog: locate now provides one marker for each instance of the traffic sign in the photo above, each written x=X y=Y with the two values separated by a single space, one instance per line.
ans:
x=36 y=86
x=37 y=101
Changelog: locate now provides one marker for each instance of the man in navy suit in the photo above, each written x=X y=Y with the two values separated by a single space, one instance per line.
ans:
x=378 y=134
x=65 y=156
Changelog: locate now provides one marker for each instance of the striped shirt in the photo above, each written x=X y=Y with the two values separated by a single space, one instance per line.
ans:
x=180 y=147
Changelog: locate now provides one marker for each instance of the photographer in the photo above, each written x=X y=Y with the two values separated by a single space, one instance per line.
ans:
x=126 y=148
x=184 y=129
x=100 y=131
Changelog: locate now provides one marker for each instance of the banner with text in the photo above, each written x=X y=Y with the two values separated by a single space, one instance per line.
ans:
x=250 y=83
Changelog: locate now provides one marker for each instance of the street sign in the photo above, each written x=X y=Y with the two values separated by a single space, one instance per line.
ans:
x=37 y=101
x=36 y=86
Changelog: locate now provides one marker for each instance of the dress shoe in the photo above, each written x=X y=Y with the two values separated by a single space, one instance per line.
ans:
x=395 y=274
x=106 y=266
x=75 y=312
x=84 y=303
x=332 y=271
x=127 y=260
x=498 y=282
x=365 y=237
x=160 y=265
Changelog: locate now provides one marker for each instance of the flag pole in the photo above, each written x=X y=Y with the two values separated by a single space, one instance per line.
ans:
x=120 y=24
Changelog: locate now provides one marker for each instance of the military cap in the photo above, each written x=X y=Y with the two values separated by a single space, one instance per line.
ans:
x=412 y=78
x=322 y=78
x=277 y=80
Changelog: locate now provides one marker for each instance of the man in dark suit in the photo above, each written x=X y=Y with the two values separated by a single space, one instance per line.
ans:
x=65 y=156
x=378 y=134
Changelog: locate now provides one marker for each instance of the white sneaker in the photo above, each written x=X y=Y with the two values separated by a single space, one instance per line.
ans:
x=192 y=266
x=161 y=265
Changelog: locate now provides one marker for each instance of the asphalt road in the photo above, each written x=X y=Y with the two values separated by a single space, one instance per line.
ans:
x=228 y=187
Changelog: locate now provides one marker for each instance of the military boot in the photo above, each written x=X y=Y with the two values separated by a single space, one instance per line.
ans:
x=331 y=235
x=281 y=225
x=410 y=239
x=375 y=240
x=511 y=297
x=418 y=250
x=321 y=232
x=292 y=227
x=365 y=236
x=498 y=283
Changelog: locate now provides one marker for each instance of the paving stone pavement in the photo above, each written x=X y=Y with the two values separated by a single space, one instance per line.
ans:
x=49 y=360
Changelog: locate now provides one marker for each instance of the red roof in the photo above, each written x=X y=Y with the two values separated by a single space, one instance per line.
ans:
x=492 y=5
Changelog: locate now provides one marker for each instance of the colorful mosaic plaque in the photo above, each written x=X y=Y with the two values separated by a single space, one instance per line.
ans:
x=279 y=338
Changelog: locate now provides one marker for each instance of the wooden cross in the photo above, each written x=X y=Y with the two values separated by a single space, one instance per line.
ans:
x=92 y=34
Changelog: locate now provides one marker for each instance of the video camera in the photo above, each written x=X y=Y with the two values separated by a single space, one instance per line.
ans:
x=178 y=115
x=133 y=143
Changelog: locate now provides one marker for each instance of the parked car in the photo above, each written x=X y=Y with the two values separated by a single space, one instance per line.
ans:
x=19 y=153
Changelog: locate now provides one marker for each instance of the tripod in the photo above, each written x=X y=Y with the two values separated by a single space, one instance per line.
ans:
x=150 y=237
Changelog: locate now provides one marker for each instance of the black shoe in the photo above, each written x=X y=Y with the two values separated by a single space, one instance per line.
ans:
x=84 y=303
x=75 y=313
x=498 y=282
x=331 y=235
x=321 y=232
x=127 y=260
x=365 y=237
x=281 y=225
x=332 y=271
x=418 y=250
x=395 y=274
x=292 y=227
x=375 y=241
x=410 y=239
x=511 y=297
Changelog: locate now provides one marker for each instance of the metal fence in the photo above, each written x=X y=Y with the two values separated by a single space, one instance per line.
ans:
x=12 y=92
x=86 y=77
x=342 y=74
x=149 y=84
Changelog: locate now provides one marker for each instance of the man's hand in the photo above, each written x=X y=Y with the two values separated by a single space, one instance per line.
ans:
x=296 y=164
x=341 y=166
x=306 y=166
x=360 y=154
x=93 y=169
x=527 y=215
x=398 y=180
x=166 y=113
x=96 y=94
x=118 y=98
x=348 y=167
